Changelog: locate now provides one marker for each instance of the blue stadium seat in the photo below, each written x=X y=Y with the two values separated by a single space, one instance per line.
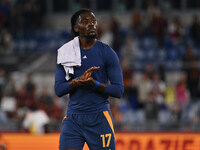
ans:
x=149 y=42
x=172 y=54
x=150 y=55
x=161 y=55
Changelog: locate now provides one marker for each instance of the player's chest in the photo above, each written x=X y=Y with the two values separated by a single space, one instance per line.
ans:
x=91 y=59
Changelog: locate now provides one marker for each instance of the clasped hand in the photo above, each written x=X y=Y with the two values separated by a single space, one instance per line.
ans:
x=85 y=79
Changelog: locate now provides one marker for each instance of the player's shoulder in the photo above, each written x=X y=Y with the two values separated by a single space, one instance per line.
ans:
x=108 y=53
x=103 y=44
x=65 y=45
x=104 y=47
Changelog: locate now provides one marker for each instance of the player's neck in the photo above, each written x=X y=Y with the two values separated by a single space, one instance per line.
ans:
x=86 y=43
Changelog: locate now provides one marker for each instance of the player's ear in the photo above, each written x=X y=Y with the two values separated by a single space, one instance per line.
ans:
x=76 y=28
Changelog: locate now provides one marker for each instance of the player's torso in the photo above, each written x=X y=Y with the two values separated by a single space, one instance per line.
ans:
x=84 y=98
x=92 y=57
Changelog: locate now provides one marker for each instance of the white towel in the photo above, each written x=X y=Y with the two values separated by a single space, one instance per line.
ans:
x=69 y=56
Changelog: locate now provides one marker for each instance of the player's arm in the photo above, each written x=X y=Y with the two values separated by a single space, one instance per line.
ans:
x=63 y=87
x=115 y=88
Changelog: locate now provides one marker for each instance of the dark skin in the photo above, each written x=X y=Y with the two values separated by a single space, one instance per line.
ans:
x=87 y=27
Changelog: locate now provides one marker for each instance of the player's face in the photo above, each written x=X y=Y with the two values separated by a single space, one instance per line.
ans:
x=87 y=25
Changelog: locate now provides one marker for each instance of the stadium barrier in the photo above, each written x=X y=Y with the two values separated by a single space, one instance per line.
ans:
x=124 y=141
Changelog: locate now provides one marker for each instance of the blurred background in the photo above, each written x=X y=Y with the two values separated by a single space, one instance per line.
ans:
x=158 y=44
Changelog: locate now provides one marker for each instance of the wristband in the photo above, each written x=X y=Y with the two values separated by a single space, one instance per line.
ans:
x=97 y=84
x=76 y=78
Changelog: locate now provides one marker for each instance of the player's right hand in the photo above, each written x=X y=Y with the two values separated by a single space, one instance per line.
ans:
x=75 y=84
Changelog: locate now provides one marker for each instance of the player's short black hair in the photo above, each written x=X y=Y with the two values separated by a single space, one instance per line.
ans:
x=75 y=17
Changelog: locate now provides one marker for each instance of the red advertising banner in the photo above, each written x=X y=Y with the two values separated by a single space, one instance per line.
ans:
x=158 y=141
x=124 y=141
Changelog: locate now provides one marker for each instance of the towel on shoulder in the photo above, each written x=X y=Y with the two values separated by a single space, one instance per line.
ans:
x=69 y=56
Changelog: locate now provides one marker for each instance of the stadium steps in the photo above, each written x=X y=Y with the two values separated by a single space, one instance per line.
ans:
x=46 y=62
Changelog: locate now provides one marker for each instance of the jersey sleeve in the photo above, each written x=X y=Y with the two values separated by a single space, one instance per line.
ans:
x=61 y=86
x=113 y=68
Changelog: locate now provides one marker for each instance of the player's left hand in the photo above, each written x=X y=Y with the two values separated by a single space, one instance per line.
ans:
x=88 y=72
